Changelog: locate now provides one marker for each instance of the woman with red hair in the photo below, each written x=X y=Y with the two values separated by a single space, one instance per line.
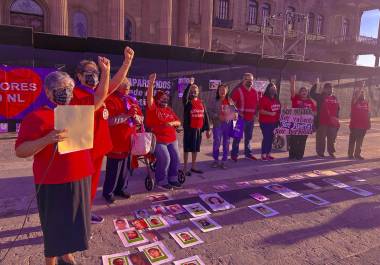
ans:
x=162 y=121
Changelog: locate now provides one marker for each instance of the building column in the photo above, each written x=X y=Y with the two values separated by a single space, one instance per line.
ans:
x=59 y=17
x=206 y=24
x=376 y=60
x=357 y=22
x=183 y=22
x=117 y=19
x=166 y=22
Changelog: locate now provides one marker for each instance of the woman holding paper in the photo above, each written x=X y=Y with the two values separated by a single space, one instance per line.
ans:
x=269 y=116
x=162 y=121
x=87 y=73
x=359 y=124
x=221 y=113
x=62 y=181
x=297 y=143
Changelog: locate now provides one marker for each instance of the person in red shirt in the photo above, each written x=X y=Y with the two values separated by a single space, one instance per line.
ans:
x=88 y=75
x=125 y=116
x=195 y=122
x=359 y=124
x=327 y=119
x=63 y=181
x=246 y=101
x=269 y=116
x=297 y=143
x=162 y=121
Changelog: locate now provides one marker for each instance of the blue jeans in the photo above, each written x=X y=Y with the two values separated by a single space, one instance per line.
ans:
x=221 y=134
x=267 y=130
x=248 y=132
x=167 y=156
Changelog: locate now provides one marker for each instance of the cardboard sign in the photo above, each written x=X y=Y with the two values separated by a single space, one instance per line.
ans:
x=295 y=121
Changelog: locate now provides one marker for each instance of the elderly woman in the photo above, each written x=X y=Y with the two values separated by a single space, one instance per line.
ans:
x=162 y=121
x=195 y=122
x=88 y=75
x=125 y=117
x=63 y=181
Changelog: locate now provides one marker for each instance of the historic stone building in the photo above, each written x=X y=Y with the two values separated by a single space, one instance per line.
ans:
x=329 y=29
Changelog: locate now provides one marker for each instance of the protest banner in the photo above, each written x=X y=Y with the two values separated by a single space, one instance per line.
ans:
x=139 y=87
x=295 y=121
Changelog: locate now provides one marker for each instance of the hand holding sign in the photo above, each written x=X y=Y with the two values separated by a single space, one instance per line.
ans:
x=56 y=136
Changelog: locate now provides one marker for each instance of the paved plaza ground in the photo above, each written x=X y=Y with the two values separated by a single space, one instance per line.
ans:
x=345 y=232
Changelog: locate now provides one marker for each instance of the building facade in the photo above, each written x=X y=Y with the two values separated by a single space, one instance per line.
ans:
x=321 y=30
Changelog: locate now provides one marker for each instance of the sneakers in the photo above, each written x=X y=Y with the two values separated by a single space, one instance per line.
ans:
x=196 y=171
x=234 y=158
x=109 y=198
x=269 y=157
x=96 y=219
x=175 y=184
x=332 y=156
x=215 y=164
x=123 y=194
x=223 y=165
x=251 y=157
x=264 y=158
x=166 y=187
x=359 y=157
x=321 y=155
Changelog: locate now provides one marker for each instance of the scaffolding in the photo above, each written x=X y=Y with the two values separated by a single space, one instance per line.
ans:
x=284 y=36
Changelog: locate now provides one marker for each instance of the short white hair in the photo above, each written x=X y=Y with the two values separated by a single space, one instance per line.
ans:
x=53 y=79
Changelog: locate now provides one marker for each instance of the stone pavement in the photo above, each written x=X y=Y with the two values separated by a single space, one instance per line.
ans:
x=344 y=232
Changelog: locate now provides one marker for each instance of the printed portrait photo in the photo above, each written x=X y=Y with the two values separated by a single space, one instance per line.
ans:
x=121 y=224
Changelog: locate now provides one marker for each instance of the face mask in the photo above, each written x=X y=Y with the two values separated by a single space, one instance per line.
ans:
x=91 y=79
x=248 y=84
x=193 y=95
x=62 y=96
x=163 y=103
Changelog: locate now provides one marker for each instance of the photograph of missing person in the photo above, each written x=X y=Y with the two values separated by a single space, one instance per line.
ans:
x=186 y=237
x=159 y=197
x=156 y=253
x=141 y=213
x=158 y=209
x=196 y=209
x=215 y=202
x=315 y=199
x=220 y=187
x=283 y=191
x=139 y=224
x=264 y=210
x=194 y=260
x=131 y=237
x=116 y=259
x=156 y=222
x=138 y=258
x=175 y=209
x=121 y=223
x=171 y=219
x=152 y=236
x=205 y=224
x=259 y=197
x=336 y=183
x=312 y=186
x=359 y=191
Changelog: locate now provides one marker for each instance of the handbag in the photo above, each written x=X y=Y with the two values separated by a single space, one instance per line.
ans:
x=237 y=128
x=143 y=143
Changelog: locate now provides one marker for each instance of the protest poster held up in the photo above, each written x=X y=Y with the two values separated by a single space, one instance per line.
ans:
x=296 y=121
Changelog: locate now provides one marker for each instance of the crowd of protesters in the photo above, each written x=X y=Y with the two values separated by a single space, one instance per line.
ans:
x=66 y=184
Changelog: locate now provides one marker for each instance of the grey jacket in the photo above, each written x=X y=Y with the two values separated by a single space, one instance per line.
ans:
x=214 y=110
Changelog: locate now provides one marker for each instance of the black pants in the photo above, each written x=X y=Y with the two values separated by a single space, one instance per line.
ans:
x=356 y=141
x=297 y=145
x=116 y=180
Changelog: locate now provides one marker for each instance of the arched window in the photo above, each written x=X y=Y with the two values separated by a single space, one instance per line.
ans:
x=265 y=12
x=290 y=17
x=80 y=25
x=252 y=12
x=319 y=29
x=128 y=29
x=310 y=26
x=27 y=13
x=345 y=27
x=224 y=8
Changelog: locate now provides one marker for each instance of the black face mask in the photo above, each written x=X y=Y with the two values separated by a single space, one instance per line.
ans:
x=62 y=96
x=91 y=79
x=248 y=84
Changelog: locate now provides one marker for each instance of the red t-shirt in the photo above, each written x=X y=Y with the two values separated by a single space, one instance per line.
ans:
x=329 y=112
x=298 y=102
x=102 y=138
x=360 y=115
x=64 y=168
x=245 y=101
x=157 y=119
x=121 y=133
x=272 y=105
x=197 y=114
